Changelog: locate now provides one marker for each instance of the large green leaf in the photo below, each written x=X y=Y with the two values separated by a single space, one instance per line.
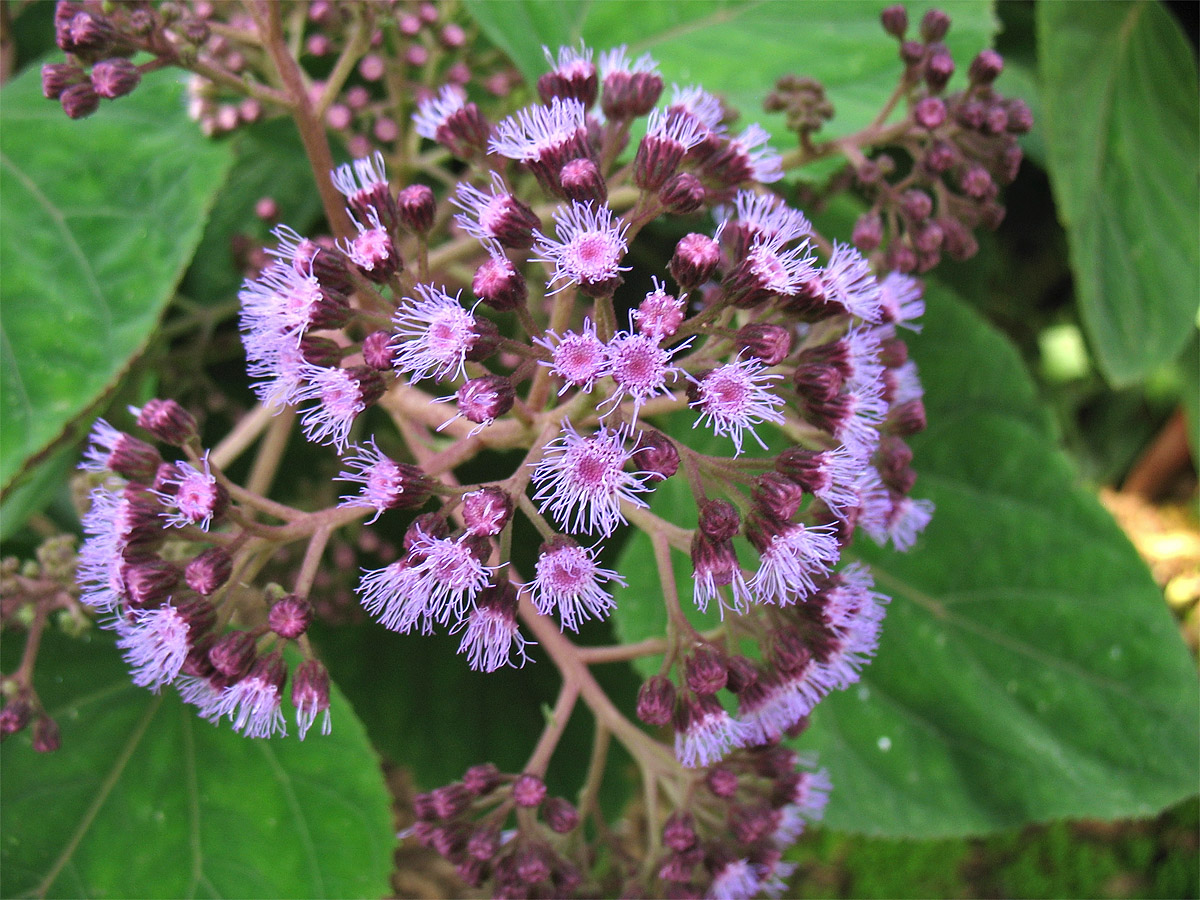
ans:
x=100 y=218
x=739 y=49
x=1029 y=668
x=146 y=800
x=1121 y=124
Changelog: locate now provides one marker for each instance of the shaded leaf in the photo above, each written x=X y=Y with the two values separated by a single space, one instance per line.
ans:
x=1029 y=668
x=146 y=800
x=1121 y=127
x=100 y=218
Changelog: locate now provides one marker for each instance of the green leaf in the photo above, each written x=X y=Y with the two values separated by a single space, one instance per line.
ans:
x=1029 y=669
x=1121 y=126
x=100 y=218
x=35 y=492
x=270 y=163
x=144 y=799
x=739 y=49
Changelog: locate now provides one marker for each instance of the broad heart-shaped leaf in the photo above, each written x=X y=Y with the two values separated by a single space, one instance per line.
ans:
x=739 y=49
x=144 y=799
x=1121 y=124
x=1028 y=669
x=100 y=218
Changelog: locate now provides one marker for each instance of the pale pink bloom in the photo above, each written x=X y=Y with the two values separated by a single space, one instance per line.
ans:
x=735 y=398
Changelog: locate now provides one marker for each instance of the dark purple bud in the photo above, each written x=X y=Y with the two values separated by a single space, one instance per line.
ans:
x=938 y=70
x=751 y=823
x=908 y=418
x=482 y=400
x=232 y=654
x=376 y=351
x=290 y=617
x=464 y=132
x=560 y=815
x=1010 y=163
x=682 y=194
x=941 y=157
x=986 y=67
x=487 y=510
x=498 y=284
x=901 y=258
x=481 y=779
x=531 y=864
x=868 y=232
x=656 y=701
x=581 y=181
x=370 y=383
x=578 y=81
x=895 y=21
x=789 y=653
x=893 y=352
x=719 y=520
x=894 y=462
x=528 y=791
x=929 y=113
x=628 y=95
x=977 y=183
x=1020 y=117
x=200 y=616
x=57 y=77
x=912 y=53
x=87 y=34
x=769 y=343
x=208 y=571
x=679 y=832
x=46 y=738
x=14 y=717
x=694 y=261
x=777 y=762
x=657 y=455
x=416 y=207
x=79 y=101
x=971 y=115
x=483 y=843
x=996 y=119
x=777 y=494
x=320 y=351
x=148 y=581
x=927 y=238
x=722 y=781
x=133 y=459
x=705 y=671
x=916 y=205
x=934 y=25
x=429 y=524
x=114 y=78
x=740 y=673
x=451 y=800
x=167 y=421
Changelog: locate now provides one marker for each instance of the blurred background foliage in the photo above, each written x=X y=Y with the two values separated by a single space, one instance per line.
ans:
x=1092 y=278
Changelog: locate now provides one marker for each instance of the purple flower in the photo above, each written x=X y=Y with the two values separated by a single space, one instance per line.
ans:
x=254 y=703
x=735 y=398
x=492 y=638
x=749 y=157
x=582 y=480
x=902 y=300
x=396 y=596
x=385 y=484
x=494 y=218
x=542 y=134
x=310 y=697
x=848 y=281
x=735 y=880
x=434 y=113
x=791 y=561
x=433 y=335
x=697 y=103
x=769 y=268
x=339 y=396
x=569 y=578
x=589 y=247
x=705 y=733
x=112 y=450
x=767 y=215
x=640 y=366
x=364 y=184
x=156 y=645
x=196 y=495
x=660 y=314
x=578 y=359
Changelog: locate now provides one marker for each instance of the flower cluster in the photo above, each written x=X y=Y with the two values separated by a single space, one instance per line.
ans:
x=755 y=367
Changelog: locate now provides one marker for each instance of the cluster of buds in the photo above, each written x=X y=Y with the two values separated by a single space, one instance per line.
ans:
x=99 y=43
x=963 y=147
x=157 y=568
x=782 y=348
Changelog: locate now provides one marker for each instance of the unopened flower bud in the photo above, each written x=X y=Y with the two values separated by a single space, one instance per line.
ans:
x=46 y=737
x=929 y=113
x=482 y=400
x=705 y=671
x=769 y=343
x=208 y=571
x=657 y=455
x=14 y=717
x=908 y=418
x=148 y=581
x=895 y=21
x=940 y=157
x=682 y=194
x=582 y=181
x=740 y=674
x=977 y=183
x=629 y=94
x=232 y=654
x=487 y=510
x=694 y=261
x=498 y=284
x=912 y=53
x=656 y=701
x=483 y=843
x=376 y=351
x=481 y=779
x=427 y=525
x=80 y=100
x=722 y=781
x=679 y=832
x=1020 y=117
x=938 y=70
x=114 y=78
x=450 y=800
x=416 y=207
x=719 y=519
x=57 y=77
x=290 y=616
x=986 y=67
x=777 y=494
x=934 y=25
x=528 y=791
x=868 y=232
x=320 y=351
x=560 y=815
